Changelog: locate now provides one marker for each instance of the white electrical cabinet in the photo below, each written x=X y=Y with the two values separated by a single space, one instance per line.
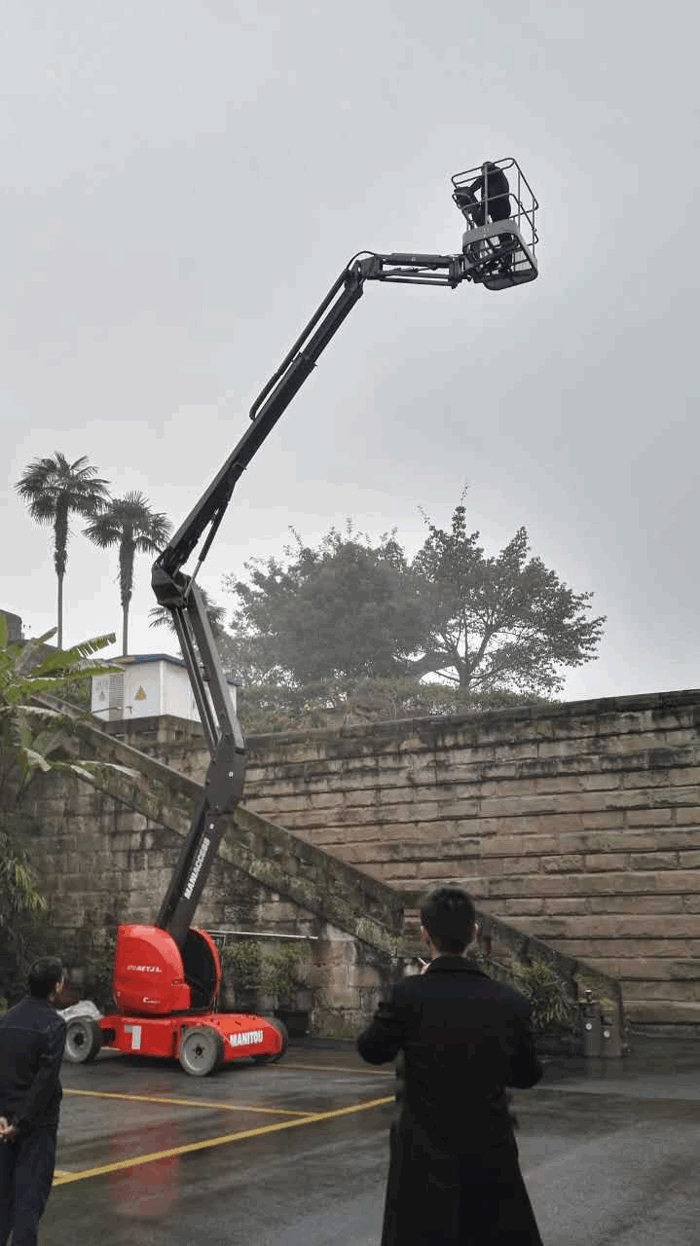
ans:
x=149 y=685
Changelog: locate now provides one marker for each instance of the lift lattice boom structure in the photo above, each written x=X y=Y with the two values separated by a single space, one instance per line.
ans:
x=166 y=976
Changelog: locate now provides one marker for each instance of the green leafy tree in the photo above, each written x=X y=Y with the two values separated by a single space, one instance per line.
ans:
x=270 y=707
x=344 y=610
x=54 y=489
x=130 y=524
x=498 y=623
x=243 y=658
x=34 y=739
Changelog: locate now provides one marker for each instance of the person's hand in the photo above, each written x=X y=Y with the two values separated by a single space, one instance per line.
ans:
x=7 y=1131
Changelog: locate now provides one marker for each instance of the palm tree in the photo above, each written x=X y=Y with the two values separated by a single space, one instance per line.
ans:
x=160 y=616
x=54 y=488
x=129 y=523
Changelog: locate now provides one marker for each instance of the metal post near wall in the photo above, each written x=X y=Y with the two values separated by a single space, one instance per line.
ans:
x=592 y=1026
x=611 y=1047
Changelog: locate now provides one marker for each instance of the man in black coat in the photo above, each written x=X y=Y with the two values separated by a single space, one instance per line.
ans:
x=495 y=203
x=32 y=1040
x=495 y=195
x=454 y=1174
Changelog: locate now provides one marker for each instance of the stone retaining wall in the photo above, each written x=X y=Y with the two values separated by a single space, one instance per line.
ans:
x=579 y=824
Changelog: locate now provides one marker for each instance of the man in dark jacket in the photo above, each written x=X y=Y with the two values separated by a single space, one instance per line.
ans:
x=32 y=1039
x=454 y=1175
x=495 y=195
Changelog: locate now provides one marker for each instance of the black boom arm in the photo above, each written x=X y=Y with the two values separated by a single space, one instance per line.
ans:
x=179 y=593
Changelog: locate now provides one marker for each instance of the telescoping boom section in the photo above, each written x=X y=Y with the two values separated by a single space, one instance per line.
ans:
x=167 y=976
x=497 y=266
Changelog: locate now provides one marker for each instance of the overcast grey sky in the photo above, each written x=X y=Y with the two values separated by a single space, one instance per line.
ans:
x=183 y=182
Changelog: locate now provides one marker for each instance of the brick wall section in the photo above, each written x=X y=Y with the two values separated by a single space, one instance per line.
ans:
x=579 y=824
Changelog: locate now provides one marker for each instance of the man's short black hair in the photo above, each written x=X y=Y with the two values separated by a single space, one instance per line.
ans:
x=448 y=915
x=43 y=976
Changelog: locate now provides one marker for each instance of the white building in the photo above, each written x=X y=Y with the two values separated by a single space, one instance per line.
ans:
x=151 y=684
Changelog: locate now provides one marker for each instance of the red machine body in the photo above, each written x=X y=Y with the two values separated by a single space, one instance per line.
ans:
x=150 y=975
x=167 y=999
x=242 y=1035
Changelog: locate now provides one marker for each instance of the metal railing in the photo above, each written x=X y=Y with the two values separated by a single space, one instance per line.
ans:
x=258 y=934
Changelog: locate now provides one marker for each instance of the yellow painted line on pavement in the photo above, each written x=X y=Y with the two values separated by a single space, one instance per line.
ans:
x=212 y=1142
x=334 y=1068
x=185 y=1103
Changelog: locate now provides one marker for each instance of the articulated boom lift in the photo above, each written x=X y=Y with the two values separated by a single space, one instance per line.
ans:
x=167 y=976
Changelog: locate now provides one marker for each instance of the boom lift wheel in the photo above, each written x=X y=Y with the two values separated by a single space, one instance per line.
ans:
x=201 y=1050
x=83 y=1040
x=282 y=1031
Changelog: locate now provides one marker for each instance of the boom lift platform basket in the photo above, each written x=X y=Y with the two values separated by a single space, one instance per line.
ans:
x=501 y=251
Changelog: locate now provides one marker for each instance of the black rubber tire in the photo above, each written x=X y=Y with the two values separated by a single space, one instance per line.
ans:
x=201 y=1050
x=282 y=1031
x=83 y=1040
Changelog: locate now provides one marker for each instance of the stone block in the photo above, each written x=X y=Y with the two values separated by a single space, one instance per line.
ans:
x=685 y=969
x=647 y=968
x=522 y=908
x=535 y=885
x=607 y=841
x=638 y=779
x=516 y=787
x=325 y=800
x=689 y=860
x=462 y=807
x=562 y=864
x=605 y=819
x=555 y=785
x=649 y=817
x=650 y=1012
x=561 y=905
x=365 y=977
x=399 y=794
x=689 y=816
x=396 y=871
x=678 y=926
x=649 y=903
x=600 y=780
x=478 y=888
x=517 y=866
x=524 y=806
x=356 y=797
x=452 y=868
x=678 y=880
x=605 y=861
x=542 y=927
x=653 y=860
x=511 y=845
x=671 y=992
x=461 y=846
x=684 y=775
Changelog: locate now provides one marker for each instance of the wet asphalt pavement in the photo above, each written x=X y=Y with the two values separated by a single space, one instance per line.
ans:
x=295 y=1153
